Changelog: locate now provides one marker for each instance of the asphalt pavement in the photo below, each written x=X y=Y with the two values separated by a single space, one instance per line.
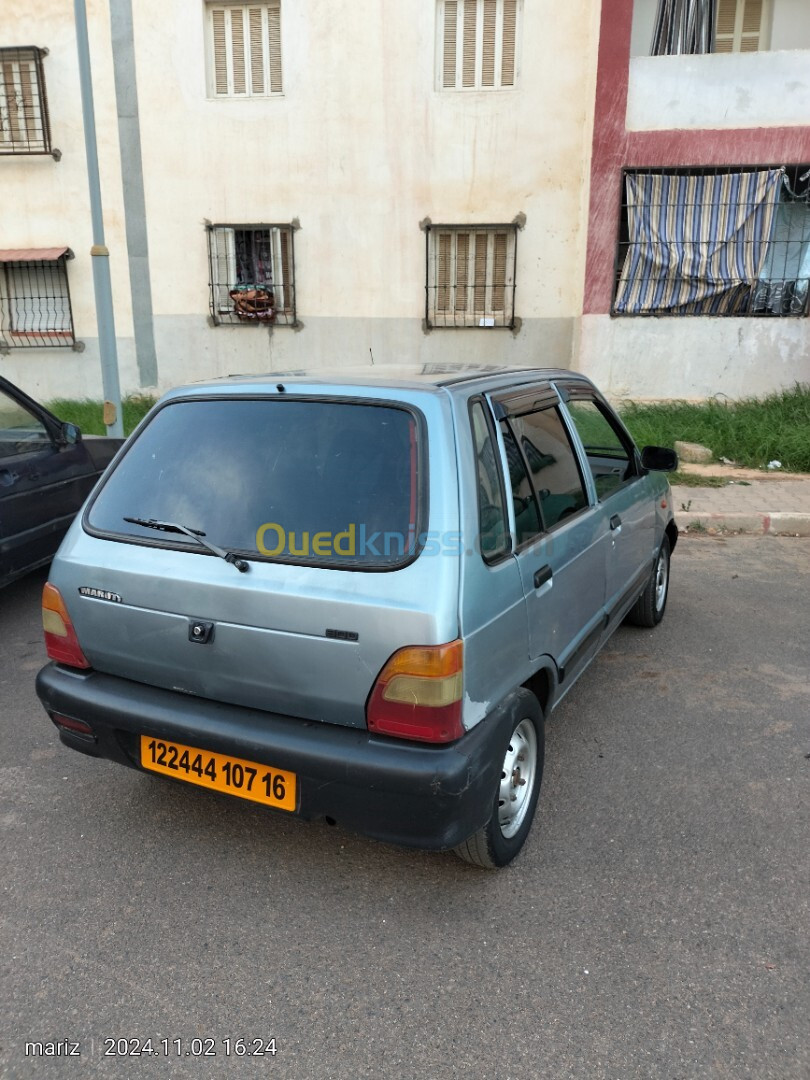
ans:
x=657 y=925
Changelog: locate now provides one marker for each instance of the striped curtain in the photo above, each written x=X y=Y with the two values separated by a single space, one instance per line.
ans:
x=697 y=244
x=683 y=26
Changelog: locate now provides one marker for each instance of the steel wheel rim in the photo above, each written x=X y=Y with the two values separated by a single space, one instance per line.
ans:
x=661 y=581
x=518 y=775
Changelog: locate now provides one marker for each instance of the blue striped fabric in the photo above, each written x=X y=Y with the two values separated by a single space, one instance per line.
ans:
x=697 y=244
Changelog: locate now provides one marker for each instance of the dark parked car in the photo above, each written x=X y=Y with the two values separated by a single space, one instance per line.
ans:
x=47 y=470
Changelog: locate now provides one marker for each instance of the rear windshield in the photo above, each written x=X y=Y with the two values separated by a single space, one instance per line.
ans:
x=322 y=482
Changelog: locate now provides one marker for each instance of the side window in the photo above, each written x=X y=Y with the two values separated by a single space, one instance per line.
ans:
x=540 y=441
x=610 y=458
x=493 y=529
x=20 y=431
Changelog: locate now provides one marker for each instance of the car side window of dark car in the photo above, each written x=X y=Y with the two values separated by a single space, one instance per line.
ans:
x=610 y=456
x=493 y=527
x=21 y=432
x=547 y=486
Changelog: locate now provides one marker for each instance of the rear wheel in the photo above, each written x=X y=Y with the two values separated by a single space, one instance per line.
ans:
x=649 y=609
x=515 y=800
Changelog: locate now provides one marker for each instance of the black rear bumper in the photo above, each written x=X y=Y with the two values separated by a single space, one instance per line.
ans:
x=431 y=797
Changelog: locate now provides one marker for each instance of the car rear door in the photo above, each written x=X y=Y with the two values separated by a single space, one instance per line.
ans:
x=559 y=537
x=42 y=484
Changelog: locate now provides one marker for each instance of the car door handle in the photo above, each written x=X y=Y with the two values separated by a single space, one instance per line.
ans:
x=7 y=477
x=541 y=576
x=615 y=522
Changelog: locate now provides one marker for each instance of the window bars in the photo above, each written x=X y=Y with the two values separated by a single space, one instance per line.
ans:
x=470 y=275
x=719 y=241
x=35 y=308
x=24 y=122
x=252 y=270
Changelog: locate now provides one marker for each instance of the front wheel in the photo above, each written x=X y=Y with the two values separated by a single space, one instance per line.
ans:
x=515 y=801
x=649 y=609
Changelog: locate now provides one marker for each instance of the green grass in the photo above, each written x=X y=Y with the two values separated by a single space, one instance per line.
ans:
x=686 y=479
x=88 y=414
x=750 y=432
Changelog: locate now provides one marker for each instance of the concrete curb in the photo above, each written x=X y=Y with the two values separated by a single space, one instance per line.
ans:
x=776 y=524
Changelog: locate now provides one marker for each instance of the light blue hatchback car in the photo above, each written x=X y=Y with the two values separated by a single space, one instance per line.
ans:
x=355 y=595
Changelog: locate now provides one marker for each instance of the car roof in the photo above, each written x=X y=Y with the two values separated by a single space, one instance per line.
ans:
x=391 y=376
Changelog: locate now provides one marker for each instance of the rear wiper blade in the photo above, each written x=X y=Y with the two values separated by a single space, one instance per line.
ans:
x=195 y=534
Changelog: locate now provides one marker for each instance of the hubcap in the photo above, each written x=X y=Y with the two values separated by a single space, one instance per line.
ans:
x=661 y=579
x=517 y=778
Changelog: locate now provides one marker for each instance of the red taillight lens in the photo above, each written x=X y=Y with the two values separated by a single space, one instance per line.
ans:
x=418 y=694
x=61 y=642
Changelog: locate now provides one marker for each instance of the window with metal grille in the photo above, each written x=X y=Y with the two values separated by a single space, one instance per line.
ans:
x=35 y=299
x=478 y=44
x=742 y=25
x=252 y=274
x=24 y=124
x=244 y=49
x=720 y=241
x=470 y=275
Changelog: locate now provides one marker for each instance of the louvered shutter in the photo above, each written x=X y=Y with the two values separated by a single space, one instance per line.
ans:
x=480 y=290
x=274 y=46
x=443 y=273
x=255 y=22
x=509 y=43
x=740 y=26
x=449 y=52
x=246 y=49
x=498 y=271
x=462 y=270
x=468 y=44
x=751 y=30
x=488 y=45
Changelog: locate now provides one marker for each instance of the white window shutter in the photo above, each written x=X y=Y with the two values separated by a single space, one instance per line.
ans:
x=509 y=42
x=274 y=46
x=246 y=49
x=449 y=43
x=741 y=26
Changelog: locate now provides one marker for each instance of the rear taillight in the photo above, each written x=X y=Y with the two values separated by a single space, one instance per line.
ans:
x=61 y=642
x=418 y=694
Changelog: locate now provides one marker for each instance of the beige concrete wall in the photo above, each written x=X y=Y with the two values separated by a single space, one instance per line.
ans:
x=360 y=148
x=46 y=203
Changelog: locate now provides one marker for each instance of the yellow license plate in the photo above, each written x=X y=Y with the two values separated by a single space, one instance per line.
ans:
x=220 y=772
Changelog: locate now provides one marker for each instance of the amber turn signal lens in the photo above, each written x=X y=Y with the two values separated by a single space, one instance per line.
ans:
x=418 y=694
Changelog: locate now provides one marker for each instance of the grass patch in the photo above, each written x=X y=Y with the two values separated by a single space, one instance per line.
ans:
x=686 y=479
x=751 y=432
x=89 y=415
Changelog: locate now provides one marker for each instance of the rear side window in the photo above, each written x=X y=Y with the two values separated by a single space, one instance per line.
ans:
x=322 y=482
x=493 y=528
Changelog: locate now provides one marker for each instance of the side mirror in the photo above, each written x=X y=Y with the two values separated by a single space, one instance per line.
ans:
x=69 y=435
x=659 y=459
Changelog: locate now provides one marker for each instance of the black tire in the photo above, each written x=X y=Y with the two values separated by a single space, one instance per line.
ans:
x=500 y=840
x=649 y=609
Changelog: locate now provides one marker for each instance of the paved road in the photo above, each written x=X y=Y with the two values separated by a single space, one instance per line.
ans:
x=657 y=925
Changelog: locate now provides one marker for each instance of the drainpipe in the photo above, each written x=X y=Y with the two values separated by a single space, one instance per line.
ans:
x=99 y=252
